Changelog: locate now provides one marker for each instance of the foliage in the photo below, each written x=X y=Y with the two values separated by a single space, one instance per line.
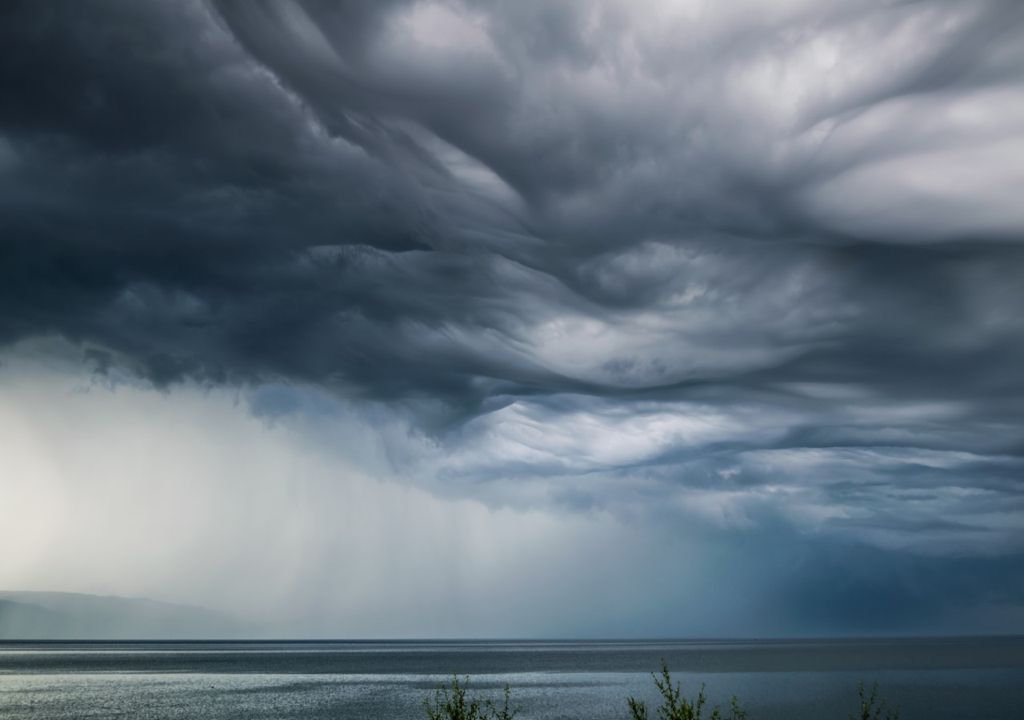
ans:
x=454 y=703
x=871 y=708
x=676 y=707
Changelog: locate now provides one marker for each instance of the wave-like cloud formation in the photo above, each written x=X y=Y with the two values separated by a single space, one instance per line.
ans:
x=757 y=262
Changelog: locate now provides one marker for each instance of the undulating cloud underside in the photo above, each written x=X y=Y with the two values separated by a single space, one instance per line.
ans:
x=752 y=268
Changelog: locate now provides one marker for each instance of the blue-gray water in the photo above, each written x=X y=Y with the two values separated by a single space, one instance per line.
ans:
x=965 y=679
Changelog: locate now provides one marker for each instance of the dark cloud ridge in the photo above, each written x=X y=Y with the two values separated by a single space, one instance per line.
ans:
x=499 y=217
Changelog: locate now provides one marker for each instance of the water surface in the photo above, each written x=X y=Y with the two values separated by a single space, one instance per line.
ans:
x=977 y=678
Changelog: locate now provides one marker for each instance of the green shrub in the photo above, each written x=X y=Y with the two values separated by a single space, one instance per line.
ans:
x=676 y=707
x=453 y=703
x=871 y=708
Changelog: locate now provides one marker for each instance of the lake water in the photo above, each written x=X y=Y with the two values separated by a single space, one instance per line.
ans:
x=932 y=679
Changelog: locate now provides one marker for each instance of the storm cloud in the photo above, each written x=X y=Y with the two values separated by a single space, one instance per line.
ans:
x=749 y=267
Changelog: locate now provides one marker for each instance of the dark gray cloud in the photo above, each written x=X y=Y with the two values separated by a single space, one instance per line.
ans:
x=759 y=263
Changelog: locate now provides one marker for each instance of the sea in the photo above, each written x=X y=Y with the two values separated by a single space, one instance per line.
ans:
x=927 y=678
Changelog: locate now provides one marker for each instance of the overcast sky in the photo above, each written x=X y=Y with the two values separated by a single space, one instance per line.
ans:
x=517 y=318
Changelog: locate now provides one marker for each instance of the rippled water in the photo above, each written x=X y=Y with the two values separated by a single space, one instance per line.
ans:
x=977 y=679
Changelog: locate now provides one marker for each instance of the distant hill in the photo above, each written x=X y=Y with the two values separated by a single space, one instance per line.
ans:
x=75 y=616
